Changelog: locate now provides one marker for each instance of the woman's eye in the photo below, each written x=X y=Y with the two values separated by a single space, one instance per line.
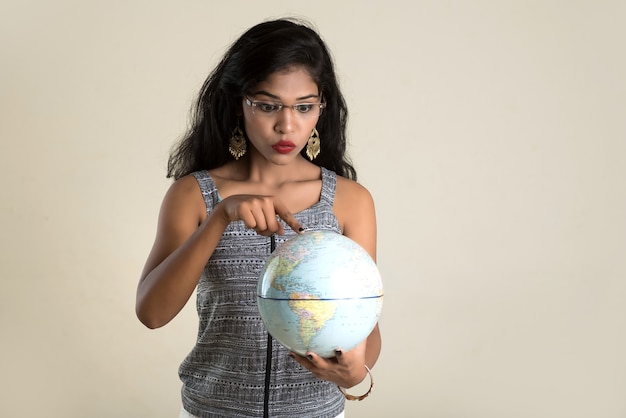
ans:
x=303 y=108
x=267 y=107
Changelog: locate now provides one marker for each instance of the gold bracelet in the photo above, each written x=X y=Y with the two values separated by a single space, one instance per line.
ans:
x=359 y=398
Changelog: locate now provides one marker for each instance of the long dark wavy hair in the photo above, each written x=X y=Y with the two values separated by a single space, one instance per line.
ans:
x=264 y=49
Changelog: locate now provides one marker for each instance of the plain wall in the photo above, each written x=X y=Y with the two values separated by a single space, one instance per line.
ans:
x=492 y=135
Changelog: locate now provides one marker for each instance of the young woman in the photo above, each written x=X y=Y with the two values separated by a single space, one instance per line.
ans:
x=263 y=160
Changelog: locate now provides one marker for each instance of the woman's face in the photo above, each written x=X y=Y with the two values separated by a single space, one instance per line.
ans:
x=280 y=113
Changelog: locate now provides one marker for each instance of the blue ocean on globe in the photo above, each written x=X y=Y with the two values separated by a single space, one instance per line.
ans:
x=320 y=291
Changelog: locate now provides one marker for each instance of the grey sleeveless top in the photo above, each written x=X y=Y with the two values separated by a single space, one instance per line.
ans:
x=224 y=375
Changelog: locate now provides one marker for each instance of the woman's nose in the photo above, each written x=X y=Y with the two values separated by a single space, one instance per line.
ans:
x=285 y=120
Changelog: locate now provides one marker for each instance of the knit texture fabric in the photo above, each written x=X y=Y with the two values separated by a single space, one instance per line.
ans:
x=224 y=374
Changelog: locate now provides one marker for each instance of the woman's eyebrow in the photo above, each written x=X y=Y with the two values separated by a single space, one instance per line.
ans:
x=273 y=96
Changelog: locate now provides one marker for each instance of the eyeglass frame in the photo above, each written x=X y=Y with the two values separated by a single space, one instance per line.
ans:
x=254 y=103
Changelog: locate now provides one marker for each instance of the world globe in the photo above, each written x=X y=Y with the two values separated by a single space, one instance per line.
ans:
x=320 y=291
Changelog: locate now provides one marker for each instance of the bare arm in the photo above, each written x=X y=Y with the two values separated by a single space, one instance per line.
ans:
x=359 y=216
x=185 y=240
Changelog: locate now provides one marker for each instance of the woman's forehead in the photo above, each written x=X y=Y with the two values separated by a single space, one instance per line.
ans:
x=292 y=83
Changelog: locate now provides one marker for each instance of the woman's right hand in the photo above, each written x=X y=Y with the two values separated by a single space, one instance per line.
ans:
x=186 y=238
x=260 y=213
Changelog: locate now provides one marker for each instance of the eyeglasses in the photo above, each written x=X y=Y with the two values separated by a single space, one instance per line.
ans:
x=271 y=109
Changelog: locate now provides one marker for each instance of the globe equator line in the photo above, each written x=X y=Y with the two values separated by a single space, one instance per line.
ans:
x=320 y=299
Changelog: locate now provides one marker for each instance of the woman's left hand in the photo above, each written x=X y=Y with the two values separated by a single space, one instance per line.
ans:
x=346 y=369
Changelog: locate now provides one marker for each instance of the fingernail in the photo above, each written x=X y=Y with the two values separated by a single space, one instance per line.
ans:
x=300 y=229
x=338 y=353
x=310 y=357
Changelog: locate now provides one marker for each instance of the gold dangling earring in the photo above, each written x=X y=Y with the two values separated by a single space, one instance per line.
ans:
x=237 y=145
x=313 y=145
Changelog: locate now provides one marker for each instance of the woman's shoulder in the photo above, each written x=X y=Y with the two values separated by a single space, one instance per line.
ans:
x=351 y=191
x=354 y=208
x=188 y=184
x=184 y=197
x=352 y=199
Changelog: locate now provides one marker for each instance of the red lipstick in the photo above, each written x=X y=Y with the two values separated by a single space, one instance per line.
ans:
x=284 y=147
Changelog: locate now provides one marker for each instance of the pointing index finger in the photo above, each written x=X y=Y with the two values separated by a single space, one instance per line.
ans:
x=288 y=217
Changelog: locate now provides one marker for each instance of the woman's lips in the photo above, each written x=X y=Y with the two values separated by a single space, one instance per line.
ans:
x=284 y=147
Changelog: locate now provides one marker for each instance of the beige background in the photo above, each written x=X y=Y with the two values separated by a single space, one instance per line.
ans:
x=492 y=135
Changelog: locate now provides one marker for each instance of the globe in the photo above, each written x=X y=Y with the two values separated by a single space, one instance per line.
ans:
x=319 y=291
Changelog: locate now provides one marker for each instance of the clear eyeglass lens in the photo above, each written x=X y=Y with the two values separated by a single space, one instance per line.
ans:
x=305 y=110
